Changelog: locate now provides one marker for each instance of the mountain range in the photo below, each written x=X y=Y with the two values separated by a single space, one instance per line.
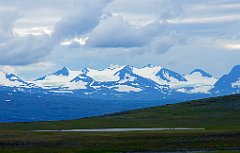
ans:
x=127 y=83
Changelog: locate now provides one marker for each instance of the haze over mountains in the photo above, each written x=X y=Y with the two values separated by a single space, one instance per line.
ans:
x=127 y=82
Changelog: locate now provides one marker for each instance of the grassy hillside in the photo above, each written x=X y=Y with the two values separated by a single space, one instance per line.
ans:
x=212 y=113
x=220 y=116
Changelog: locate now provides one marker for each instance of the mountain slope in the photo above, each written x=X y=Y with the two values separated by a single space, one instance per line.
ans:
x=160 y=75
x=202 y=73
x=122 y=79
x=198 y=81
x=211 y=113
x=11 y=80
x=122 y=82
x=219 y=116
x=127 y=77
x=57 y=79
x=127 y=81
x=229 y=83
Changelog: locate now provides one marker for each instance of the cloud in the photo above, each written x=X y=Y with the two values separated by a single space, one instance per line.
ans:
x=163 y=44
x=149 y=30
x=16 y=50
x=31 y=71
x=115 y=32
x=233 y=46
x=161 y=8
x=7 y=19
x=20 y=49
x=8 y=69
x=25 y=50
x=32 y=47
x=81 y=21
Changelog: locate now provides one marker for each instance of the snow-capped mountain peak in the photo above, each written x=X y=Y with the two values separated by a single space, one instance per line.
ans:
x=198 y=81
x=127 y=82
x=228 y=83
x=201 y=72
x=149 y=66
x=125 y=69
x=149 y=77
x=169 y=75
x=235 y=71
x=64 y=72
x=125 y=73
x=199 y=76
x=160 y=75
x=57 y=79
x=85 y=70
x=11 y=80
x=120 y=80
x=103 y=75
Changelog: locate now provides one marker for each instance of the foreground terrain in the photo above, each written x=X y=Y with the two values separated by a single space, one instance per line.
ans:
x=218 y=116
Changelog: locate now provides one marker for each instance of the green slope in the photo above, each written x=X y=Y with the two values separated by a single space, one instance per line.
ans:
x=220 y=116
x=211 y=113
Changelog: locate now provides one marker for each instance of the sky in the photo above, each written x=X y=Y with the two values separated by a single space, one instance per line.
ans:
x=39 y=37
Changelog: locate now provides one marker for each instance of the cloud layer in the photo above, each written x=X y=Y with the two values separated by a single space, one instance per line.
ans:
x=73 y=31
x=20 y=49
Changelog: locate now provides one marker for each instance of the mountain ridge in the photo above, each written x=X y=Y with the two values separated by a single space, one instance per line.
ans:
x=148 y=82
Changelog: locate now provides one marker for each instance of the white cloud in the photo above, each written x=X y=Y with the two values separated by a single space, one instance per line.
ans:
x=28 y=45
x=162 y=44
x=80 y=21
x=137 y=19
x=8 y=69
x=233 y=46
x=115 y=32
x=25 y=50
x=77 y=40
x=33 y=31
x=212 y=19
